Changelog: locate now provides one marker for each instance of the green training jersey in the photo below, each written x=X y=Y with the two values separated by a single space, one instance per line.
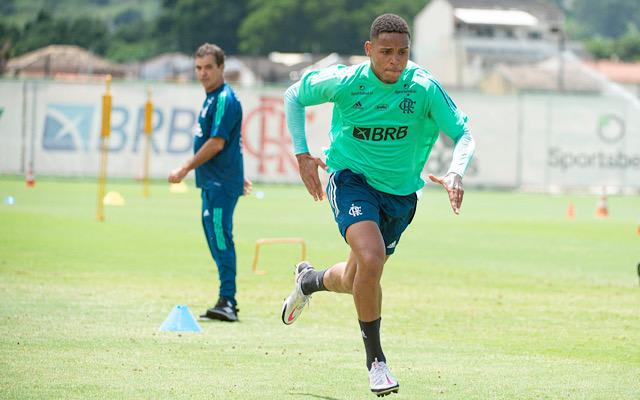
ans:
x=383 y=131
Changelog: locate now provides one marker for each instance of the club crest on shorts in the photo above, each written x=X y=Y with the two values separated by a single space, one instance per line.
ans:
x=355 y=211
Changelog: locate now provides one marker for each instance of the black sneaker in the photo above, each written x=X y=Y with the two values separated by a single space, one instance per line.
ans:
x=224 y=310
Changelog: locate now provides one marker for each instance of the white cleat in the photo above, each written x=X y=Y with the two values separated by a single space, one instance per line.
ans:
x=381 y=381
x=295 y=302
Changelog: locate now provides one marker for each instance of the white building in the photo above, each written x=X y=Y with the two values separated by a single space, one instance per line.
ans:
x=459 y=41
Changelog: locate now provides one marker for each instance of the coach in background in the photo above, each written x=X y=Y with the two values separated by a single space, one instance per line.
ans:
x=219 y=170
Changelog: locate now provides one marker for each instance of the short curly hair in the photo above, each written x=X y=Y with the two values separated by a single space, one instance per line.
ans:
x=209 y=49
x=388 y=23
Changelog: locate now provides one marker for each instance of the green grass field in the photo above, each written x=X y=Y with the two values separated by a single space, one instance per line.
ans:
x=509 y=300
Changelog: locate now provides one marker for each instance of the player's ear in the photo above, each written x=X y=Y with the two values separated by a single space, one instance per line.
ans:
x=367 y=48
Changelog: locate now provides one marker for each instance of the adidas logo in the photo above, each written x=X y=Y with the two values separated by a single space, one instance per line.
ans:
x=357 y=106
x=392 y=245
x=205 y=213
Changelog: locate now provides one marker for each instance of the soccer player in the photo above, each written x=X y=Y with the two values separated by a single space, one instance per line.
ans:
x=219 y=170
x=387 y=115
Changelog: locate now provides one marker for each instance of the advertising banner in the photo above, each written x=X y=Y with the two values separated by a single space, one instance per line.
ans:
x=534 y=140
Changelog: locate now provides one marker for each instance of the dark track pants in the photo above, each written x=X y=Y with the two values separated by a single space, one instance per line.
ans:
x=217 y=221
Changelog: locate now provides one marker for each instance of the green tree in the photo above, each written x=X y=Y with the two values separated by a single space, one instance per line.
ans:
x=7 y=7
x=44 y=30
x=608 y=18
x=186 y=24
x=133 y=42
x=329 y=26
x=600 y=47
x=628 y=46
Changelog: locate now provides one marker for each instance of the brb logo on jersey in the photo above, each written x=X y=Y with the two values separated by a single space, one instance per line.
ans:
x=378 y=134
x=67 y=127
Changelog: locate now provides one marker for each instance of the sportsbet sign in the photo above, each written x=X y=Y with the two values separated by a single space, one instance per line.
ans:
x=523 y=141
x=610 y=131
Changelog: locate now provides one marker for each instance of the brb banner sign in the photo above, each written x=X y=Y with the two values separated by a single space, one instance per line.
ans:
x=56 y=126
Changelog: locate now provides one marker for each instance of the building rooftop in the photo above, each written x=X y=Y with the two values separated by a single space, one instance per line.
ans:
x=62 y=60
x=495 y=17
x=616 y=71
x=544 y=10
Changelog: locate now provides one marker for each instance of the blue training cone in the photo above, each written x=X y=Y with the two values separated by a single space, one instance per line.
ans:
x=180 y=320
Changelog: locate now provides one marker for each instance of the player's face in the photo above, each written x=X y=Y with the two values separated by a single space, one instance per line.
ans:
x=209 y=73
x=389 y=53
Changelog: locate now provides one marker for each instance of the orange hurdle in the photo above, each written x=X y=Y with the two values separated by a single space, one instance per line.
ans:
x=289 y=240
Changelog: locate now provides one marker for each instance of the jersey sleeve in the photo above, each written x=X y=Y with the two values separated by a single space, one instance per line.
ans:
x=441 y=109
x=320 y=86
x=227 y=112
x=314 y=88
x=294 y=113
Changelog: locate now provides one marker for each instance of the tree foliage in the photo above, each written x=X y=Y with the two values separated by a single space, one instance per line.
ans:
x=339 y=26
x=44 y=29
x=609 y=28
x=607 y=18
x=186 y=24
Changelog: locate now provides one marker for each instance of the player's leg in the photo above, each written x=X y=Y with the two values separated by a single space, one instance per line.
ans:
x=344 y=190
x=218 y=222
x=368 y=247
x=339 y=277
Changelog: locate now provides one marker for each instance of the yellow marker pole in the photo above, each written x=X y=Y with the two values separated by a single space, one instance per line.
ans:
x=104 y=147
x=148 y=130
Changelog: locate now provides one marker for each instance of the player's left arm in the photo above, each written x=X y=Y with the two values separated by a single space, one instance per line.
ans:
x=228 y=113
x=314 y=88
x=208 y=150
x=453 y=122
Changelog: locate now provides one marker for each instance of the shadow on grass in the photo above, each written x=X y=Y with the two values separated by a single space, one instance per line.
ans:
x=315 y=396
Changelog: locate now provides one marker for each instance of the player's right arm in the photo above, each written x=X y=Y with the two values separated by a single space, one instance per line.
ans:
x=453 y=122
x=317 y=87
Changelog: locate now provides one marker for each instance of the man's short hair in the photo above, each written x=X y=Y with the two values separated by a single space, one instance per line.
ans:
x=391 y=23
x=209 y=49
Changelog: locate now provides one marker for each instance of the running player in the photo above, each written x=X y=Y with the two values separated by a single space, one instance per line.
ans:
x=387 y=115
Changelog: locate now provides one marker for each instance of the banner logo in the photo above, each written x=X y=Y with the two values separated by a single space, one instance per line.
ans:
x=67 y=127
x=611 y=128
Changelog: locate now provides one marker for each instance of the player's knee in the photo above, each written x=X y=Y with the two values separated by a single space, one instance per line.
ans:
x=370 y=265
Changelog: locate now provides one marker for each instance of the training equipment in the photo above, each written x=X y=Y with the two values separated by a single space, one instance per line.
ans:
x=381 y=381
x=148 y=130
x=602 y=210
x=178 y=187
x=105 y=131
x=571 y=212
x=260 y=242
x=180 y=320
x=294 y=303
x=224 y=310
x=113 y=198
x=29 y=180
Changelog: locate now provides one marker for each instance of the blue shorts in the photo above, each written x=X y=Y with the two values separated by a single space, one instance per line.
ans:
x=353 y=200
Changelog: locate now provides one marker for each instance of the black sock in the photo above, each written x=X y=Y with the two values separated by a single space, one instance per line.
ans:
x=371 y=337
x=312 y=281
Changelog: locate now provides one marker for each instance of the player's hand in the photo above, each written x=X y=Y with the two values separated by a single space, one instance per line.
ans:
x=246 y=189
x=452 y=182
x=177 y=175
x=308 y=167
